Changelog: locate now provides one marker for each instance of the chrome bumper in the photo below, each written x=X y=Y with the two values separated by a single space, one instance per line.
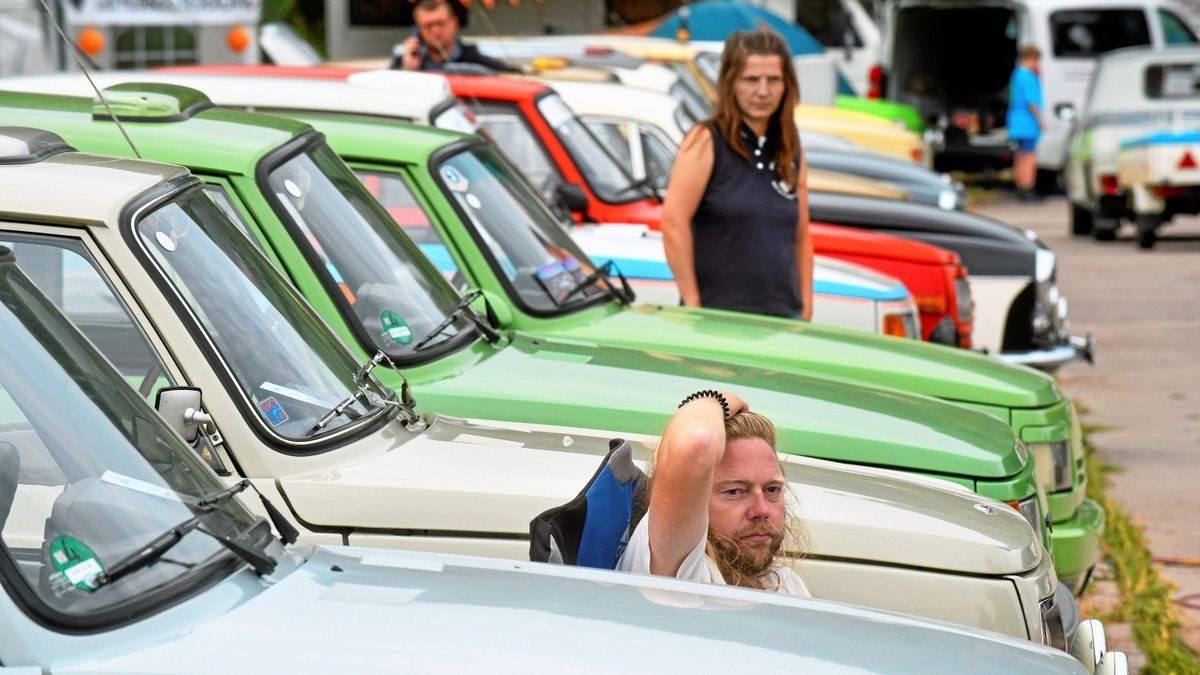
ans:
x=1077 y=347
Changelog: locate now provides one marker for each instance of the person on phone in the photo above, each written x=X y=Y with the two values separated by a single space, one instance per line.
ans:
x=435 y=42
x=735 y=218
x=716 y=500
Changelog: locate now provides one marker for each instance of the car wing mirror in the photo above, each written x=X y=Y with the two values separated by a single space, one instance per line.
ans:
x=180 y=409
x=573 y=197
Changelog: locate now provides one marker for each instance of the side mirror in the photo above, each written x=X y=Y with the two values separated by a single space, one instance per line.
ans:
x=497 y=310
x=573 y=197
x=180 y=409
x=1065 y=112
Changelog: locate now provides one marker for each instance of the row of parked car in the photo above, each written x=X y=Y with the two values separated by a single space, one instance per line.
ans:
x=402 y=344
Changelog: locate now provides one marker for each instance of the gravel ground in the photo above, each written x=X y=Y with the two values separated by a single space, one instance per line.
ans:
x=1144 y=307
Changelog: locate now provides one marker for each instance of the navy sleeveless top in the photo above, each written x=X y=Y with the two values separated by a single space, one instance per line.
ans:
x=744 y=232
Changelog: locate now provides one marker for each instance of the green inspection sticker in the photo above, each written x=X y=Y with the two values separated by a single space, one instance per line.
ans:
x=395 y=328
x=77 y=562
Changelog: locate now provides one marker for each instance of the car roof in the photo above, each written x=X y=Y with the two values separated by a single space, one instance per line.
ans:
x=372 y=138
x=233 y=141
x=411 y=96
x=1118 y=83
x=98 y=187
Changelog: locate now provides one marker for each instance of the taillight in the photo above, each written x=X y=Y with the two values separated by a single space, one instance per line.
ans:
x=1165 y=191
x=875 y=77
x=1187 y=161
x=918 y=155
x=1108 y=183
x=895 y=325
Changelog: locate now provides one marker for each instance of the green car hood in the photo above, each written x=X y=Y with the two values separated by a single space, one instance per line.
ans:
x=585 y=384
x=826 y=351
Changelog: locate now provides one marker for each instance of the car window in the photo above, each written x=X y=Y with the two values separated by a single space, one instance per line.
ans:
x=221 y=198
x=1175 y=31
x=659 y=157
x=615 y=136
x=89 y=473
x=397 y=197
x=603 y=172
x=828 y=22
x=1172 y=81
x=287 y=365
x=511 y=132
x=63 y=270
x=1091 y=32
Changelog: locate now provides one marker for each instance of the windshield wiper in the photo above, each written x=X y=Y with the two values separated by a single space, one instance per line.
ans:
x=463 y=309
x=645 y=185
x=623 y=296
x=150 y=553
x=407 y=406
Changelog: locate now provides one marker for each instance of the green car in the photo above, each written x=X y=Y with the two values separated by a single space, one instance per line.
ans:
x=888 y=110
x=291 y=193
x=502 y=244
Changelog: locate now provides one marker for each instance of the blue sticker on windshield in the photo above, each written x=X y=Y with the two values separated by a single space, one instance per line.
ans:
x=454 y=180
x=273 y=411
x=550 y=270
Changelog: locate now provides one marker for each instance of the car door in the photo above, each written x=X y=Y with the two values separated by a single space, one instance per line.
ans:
x=71 y=271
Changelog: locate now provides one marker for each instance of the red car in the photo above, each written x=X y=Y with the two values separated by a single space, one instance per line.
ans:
x=560 y=156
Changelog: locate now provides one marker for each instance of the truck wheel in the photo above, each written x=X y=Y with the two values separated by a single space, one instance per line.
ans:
x=1081 y=220
x=1147 y=226
x=1105 y=227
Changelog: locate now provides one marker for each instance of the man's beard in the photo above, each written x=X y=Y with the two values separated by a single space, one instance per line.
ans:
x=742 y=562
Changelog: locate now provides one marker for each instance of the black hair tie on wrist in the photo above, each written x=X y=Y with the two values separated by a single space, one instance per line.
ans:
x=708 y=393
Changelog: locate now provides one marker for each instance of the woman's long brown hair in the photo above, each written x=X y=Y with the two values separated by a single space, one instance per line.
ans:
x=727 y=117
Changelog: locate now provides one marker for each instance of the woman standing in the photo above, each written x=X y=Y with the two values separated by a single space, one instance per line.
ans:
x=735 y=219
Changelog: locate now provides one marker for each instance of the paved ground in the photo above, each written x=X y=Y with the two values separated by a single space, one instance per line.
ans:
x=1144 y=307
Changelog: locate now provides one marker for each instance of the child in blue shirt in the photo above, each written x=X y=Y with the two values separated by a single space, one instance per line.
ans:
x=1024 y=120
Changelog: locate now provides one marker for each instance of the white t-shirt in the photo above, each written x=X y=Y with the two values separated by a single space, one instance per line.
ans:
x=697 y=566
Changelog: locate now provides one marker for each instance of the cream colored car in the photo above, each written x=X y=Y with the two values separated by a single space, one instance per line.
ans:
x=151 y=269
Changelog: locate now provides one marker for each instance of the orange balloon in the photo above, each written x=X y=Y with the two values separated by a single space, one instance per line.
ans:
x=238 y=39
x=91 y=41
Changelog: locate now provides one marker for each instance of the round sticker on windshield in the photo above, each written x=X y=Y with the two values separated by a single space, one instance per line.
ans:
x=395 y=328
x=293 y=189
x=77 y=562
x=165 y=241
x=473 y=201
x=454 y=180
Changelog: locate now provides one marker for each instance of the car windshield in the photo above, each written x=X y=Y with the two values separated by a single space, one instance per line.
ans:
x=510 y=130
x=378 y=278
x=604 y=174
x=528 y=248
x=287 y=364
x=90 y=473
x=455 y=117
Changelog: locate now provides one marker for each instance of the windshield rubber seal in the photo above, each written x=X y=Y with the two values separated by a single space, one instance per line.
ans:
x=465 y=337
x=469 y=143
x=638 y=196
x=322 y=443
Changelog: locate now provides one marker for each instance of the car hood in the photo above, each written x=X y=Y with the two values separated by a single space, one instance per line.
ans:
x=826 y=351
x=460 y=478
x=596 y=385
x=362 y=610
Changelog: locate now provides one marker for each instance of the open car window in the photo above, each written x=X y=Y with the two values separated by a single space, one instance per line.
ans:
x=89 y=472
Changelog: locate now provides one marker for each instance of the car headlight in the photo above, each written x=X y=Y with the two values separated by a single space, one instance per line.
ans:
x=1031 y=512
x=947 y=199
x=966 y=304
x=1049 y=321
x=1053 y=465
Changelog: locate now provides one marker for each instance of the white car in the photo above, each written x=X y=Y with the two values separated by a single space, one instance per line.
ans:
x=121 y=551
x=1134 y=93
x=967 y=98
x=196 y=303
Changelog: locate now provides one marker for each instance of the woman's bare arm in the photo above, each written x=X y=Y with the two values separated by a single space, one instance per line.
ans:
x=804 y=245
x=689 y=180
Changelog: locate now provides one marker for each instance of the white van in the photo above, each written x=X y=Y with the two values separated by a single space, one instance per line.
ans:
x=953 y=62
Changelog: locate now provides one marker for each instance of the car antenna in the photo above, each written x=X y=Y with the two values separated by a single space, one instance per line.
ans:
x=79 y=62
